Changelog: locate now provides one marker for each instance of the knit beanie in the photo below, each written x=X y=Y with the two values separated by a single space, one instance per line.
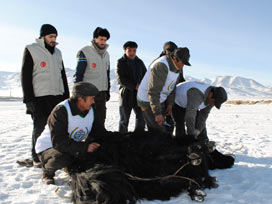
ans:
x=101 y=32
x=47 y=29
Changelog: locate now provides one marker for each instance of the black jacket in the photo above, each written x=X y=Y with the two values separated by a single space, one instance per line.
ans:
x=129 y=74
x=26 y=79
x=58 y=125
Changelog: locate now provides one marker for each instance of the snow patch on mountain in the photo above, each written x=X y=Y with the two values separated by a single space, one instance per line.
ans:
x=238 y=88
x=242 y=88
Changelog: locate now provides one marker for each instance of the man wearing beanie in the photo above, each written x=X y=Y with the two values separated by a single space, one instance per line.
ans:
x=94 y=66
x=44 y=83
x=158 y=87
x=71 y=133
x=130 y=71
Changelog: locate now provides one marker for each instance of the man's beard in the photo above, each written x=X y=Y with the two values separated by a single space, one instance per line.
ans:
x=50 y=48
x=101 y=48
x=53 y=44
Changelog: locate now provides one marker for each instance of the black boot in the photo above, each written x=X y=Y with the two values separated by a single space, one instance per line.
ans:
x=48 y=177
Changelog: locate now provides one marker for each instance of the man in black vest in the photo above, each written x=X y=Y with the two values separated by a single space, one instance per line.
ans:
x=129 y=71
x=44 y=83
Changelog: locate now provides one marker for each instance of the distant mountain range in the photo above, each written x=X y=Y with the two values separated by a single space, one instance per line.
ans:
x=237 y=87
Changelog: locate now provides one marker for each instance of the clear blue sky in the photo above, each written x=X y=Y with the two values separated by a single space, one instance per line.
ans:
x=225 y=37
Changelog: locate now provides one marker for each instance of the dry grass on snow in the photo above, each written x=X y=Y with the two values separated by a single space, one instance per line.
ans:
x=241 y=102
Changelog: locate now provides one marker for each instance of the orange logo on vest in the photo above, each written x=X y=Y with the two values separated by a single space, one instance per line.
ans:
x=93 y=65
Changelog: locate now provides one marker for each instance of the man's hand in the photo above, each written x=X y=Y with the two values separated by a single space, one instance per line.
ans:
x=169 y=110
x=137 y=87
x=196 y=133
x=159 y=119
x=93 y=146
x=30 y=108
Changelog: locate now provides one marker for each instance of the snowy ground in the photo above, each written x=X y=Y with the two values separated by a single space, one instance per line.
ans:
x=244 y=129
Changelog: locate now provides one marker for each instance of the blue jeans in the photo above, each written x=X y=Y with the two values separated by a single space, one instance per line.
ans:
x=125 y=112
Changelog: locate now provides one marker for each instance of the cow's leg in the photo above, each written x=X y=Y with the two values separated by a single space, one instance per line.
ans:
x=209 y=182
x=196 y=193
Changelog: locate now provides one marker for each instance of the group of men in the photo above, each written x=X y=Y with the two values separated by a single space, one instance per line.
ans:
x=65 y=128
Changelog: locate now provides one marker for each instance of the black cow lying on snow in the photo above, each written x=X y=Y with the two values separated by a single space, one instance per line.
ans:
x=149 y=166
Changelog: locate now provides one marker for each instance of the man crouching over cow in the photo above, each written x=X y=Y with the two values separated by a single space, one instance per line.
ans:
x=193 y=103
x=70 y=131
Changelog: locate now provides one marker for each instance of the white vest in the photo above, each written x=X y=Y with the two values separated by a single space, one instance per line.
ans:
x=184 y=87
x=168 y=87
x=46 y=77
x=78 y=128
x=97 y=66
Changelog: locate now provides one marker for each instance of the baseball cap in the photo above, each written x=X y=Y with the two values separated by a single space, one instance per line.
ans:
x=84 y=89
x=170 y=46
x=183 y=54
x=220 y=96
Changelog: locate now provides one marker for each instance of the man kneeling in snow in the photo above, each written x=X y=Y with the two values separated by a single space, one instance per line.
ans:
x=70 y=131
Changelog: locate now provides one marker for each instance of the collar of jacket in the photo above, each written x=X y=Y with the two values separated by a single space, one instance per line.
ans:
x=98 y=50
x=126 y=58
x=41 y=43
x=75 y=110
x=172 y=66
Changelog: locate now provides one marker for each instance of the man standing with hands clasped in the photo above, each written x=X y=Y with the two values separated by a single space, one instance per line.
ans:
x=129 y=71
x=44 y=83
x=94 y=67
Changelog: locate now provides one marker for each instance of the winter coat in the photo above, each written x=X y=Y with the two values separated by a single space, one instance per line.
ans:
x=157 y=79
x=34 y=88
x=193 y=96
x=58 y=125
x=94 y=66
x=129 y=76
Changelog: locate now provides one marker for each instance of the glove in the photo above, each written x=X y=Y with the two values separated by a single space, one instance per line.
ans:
x=196 y=133
x=107 y=95
x=30 y=108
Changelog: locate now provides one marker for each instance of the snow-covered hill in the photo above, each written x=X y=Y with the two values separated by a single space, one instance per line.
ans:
x=241 y=88
x=237 y=87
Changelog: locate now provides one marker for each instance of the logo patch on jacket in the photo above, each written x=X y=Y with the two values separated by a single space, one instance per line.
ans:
x=79 y=134
x=171 y=86
x=93 y=65
x=43 y=64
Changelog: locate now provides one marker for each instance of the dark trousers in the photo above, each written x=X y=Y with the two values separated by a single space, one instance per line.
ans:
x=43 y=105
x=149 y=118
x=52 y=160
x=100 y=106
x=125 y=112
x=179 y=117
